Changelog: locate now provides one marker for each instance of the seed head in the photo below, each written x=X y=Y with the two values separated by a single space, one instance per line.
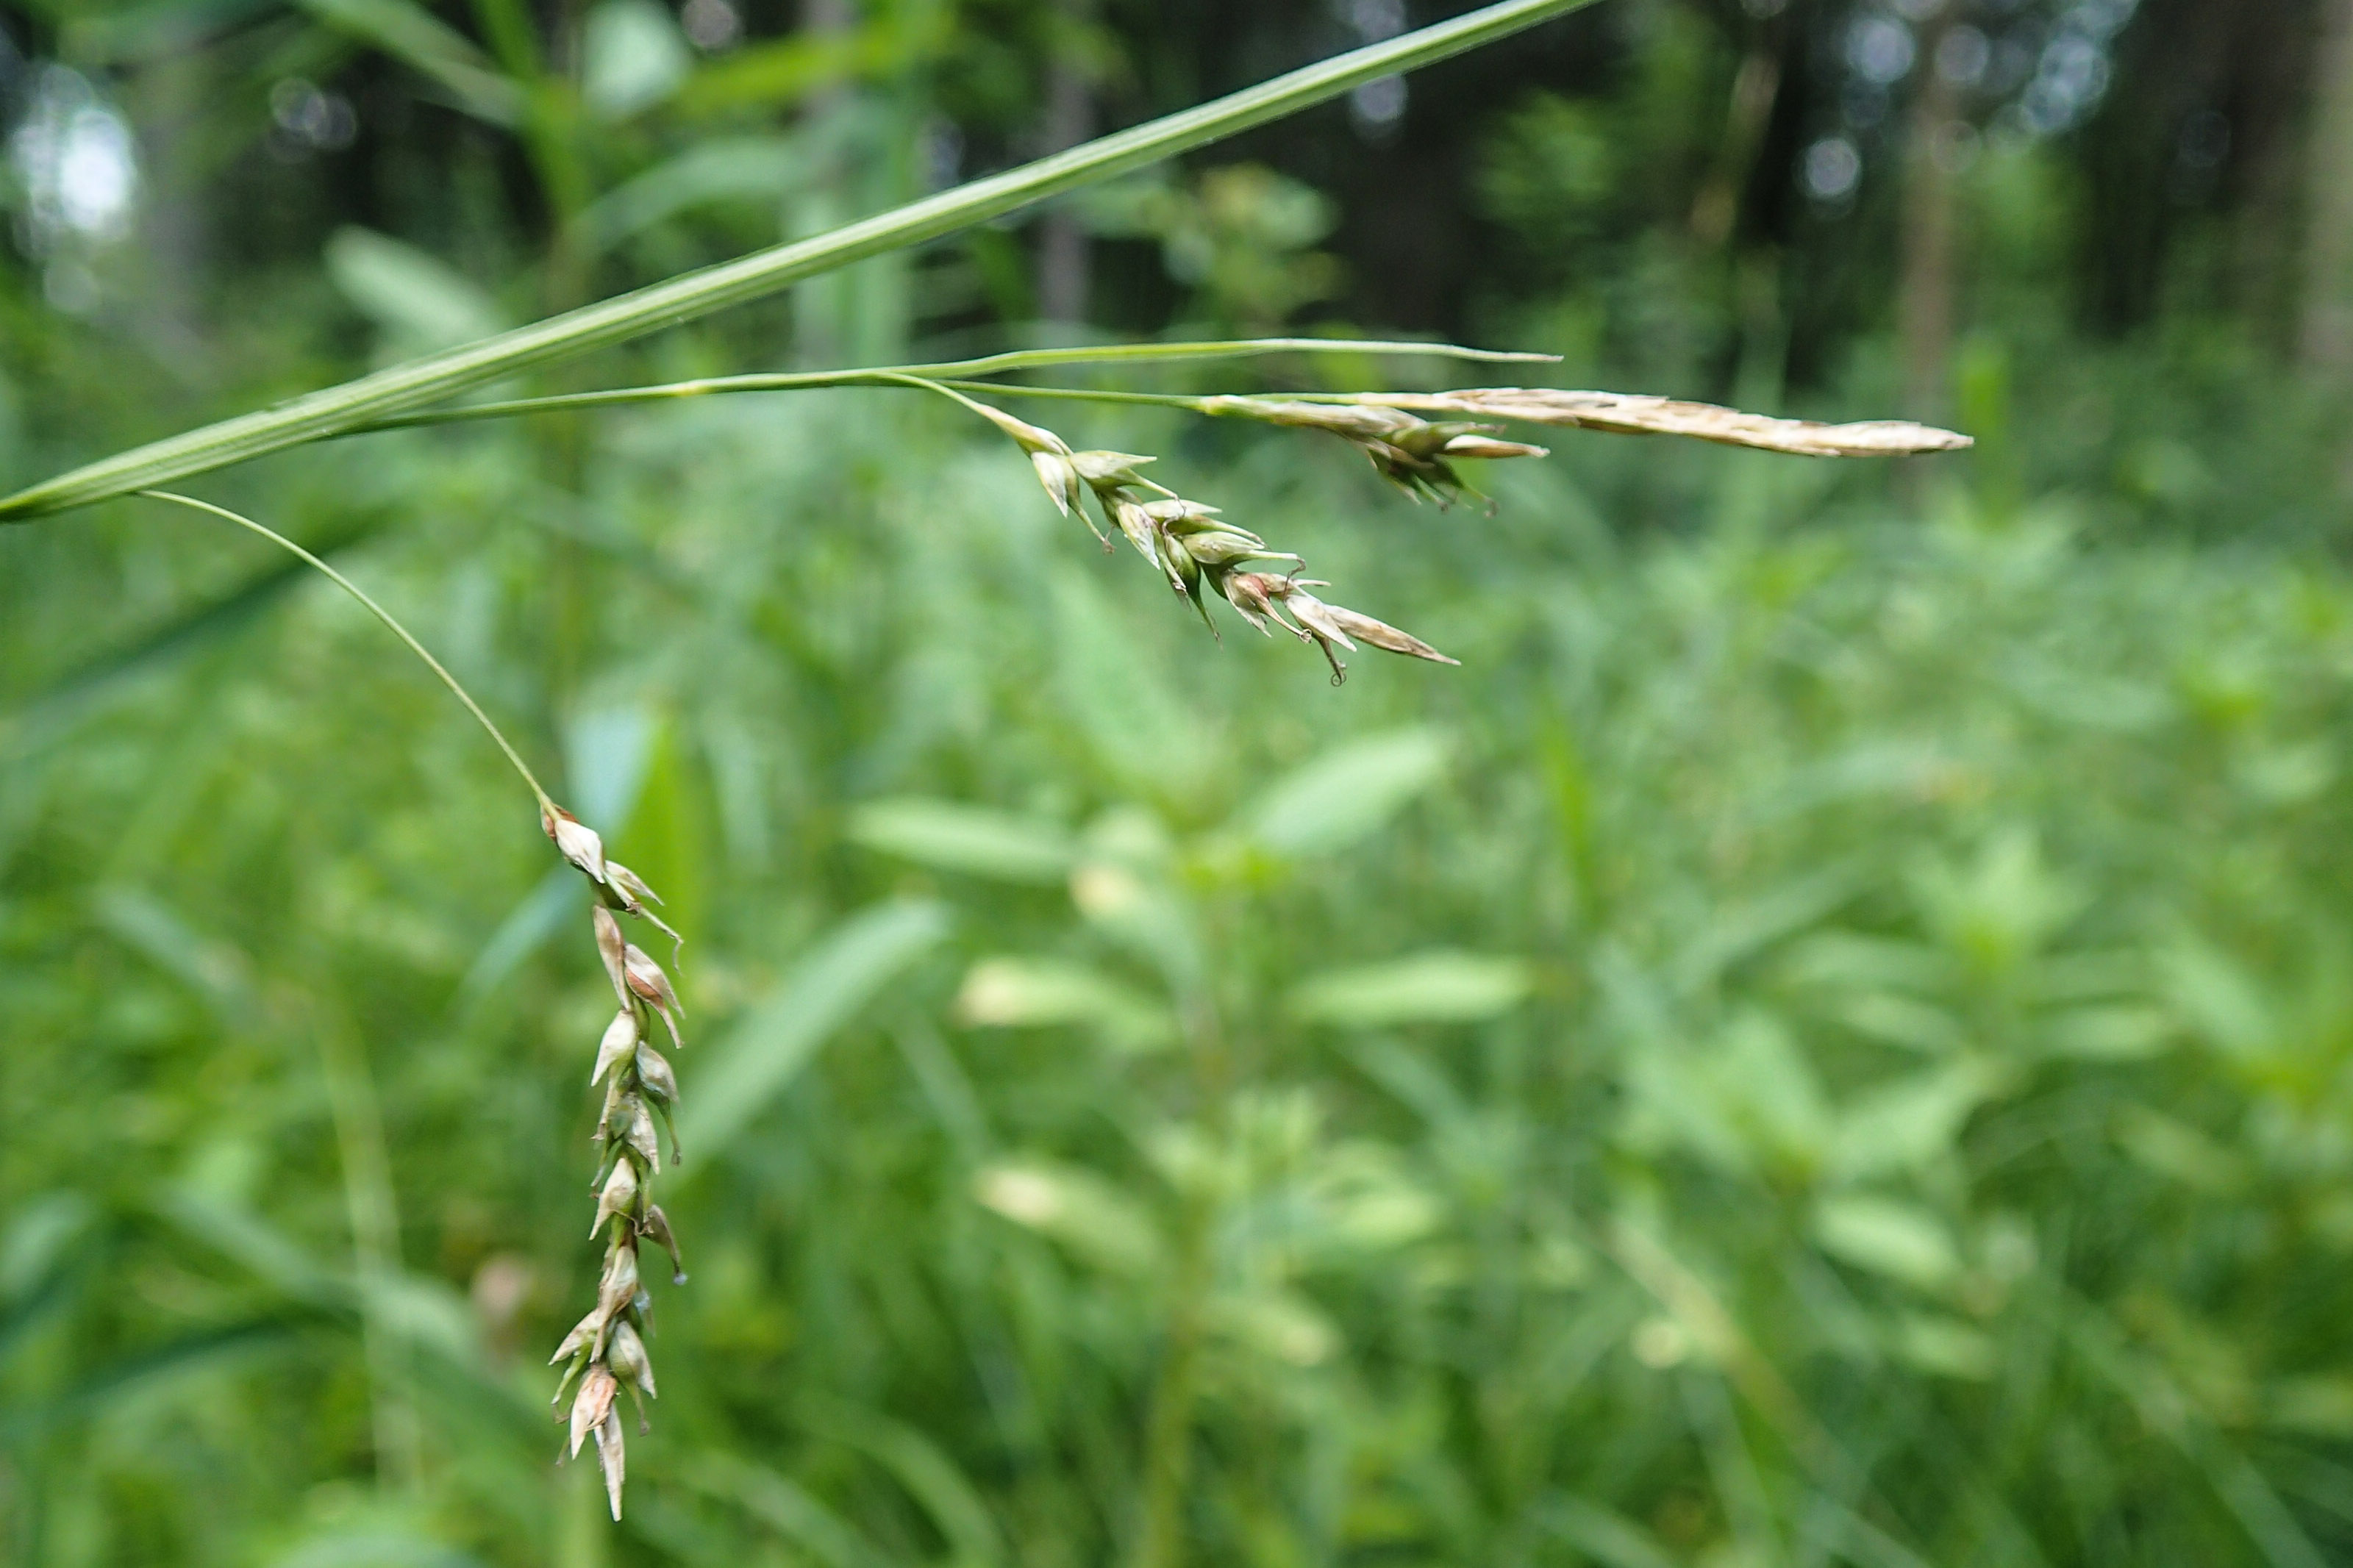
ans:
x=655 y=1072
x=627 y=1357
x=656 y=1225
x=624 y=889
x=1487 y=446
x=585 y=1336
x=1258 y=594
x=575 y=842
x=621 y=1040
x=1229 y=546
x=610 y=1457
x=619 y=1195
x=1135 y=520
x=646 y=980
x=1175 y=514
x=1060 y=478
x=628 y=1123
x=614 y=949
x=618 y=1286
x=1030 y=438
x=1107 y=473
x=592 y=1404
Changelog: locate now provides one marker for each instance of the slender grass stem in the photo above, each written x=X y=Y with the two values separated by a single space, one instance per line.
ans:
x=691 y=295
x=1094 y=394
x=378 y=611
x=957 y=373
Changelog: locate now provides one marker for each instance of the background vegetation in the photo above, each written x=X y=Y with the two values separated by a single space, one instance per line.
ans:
x=1826 y=1041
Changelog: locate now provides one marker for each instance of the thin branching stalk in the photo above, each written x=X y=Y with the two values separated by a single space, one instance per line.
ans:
x=693 y=295
x=952 y=372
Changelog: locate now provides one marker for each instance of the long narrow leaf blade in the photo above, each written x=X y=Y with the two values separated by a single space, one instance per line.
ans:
x=695 y=294
x=768 y=1049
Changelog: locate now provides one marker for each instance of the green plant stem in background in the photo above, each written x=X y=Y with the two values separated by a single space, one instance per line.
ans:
x=378 y=611
x=953 y=373
x=698 y=293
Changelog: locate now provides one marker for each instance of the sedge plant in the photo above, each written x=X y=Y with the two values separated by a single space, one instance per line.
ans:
x=1417 y=441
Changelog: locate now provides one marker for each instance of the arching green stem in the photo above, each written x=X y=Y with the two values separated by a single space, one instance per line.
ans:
x=378 y=611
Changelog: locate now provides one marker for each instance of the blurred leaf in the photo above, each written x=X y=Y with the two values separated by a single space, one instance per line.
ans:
x=210 y=1350
x=1899 y=1240
x=784 y=1507
x=1142 y=729
x=2173 y=1149
x=735 y=168
x=2320 y=1406
x=632 y=56
x=1279 y=1325
x=1096 y=1220
x=968 y=838
x=1946 y=1347
x=1024 y=993
x=1608 y=1538
x=2109 y=1034
x=556 y=898
x=1911 y=1121
x=1348 y=795
x=921 y=1466
x=373 y=1548
x=830 y=986
x=419 y=303
x=777 y=72
x=607 y=751
x=212 y=967
x=52 y=711
x=417 y=38
x=37 y=1234
x=1440 y=987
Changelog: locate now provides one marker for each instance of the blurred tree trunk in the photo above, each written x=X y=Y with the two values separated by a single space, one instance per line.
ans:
x=1063 y=259
x=2326 y=334
x=1716 y=211
x=170 y=95
x=1925 y=299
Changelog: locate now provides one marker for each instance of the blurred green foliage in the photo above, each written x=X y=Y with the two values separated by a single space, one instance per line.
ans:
x=1826 y=1041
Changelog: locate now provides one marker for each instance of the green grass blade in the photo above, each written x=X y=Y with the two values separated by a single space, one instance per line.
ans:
x=694 y=294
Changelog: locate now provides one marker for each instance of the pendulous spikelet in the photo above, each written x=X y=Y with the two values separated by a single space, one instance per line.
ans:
x=606 y=1351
